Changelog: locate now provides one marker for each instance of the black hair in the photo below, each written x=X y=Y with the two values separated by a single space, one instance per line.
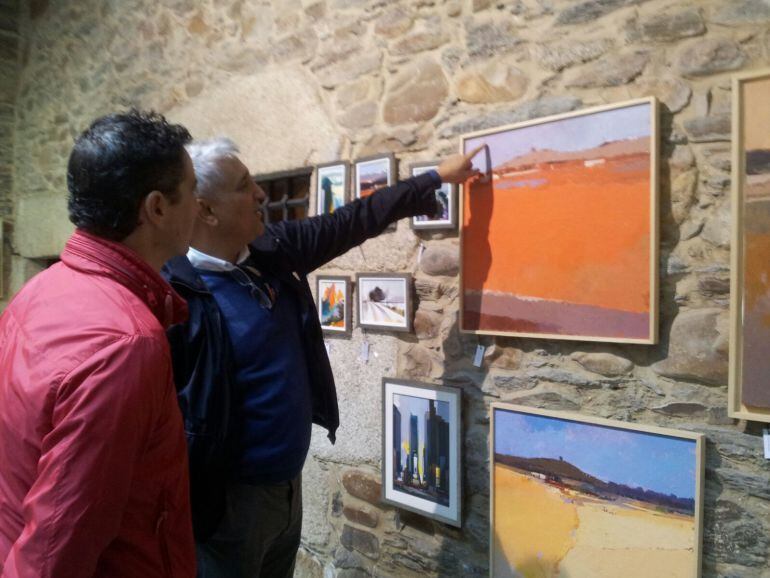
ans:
x=116 y=163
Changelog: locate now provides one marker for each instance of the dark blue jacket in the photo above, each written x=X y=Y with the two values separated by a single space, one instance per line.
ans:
x=200 y=348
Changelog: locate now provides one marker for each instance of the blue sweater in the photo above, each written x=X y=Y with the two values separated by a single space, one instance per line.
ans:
x=272 y=385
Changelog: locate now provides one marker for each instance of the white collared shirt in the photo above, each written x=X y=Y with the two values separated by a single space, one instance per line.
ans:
x=206 y=262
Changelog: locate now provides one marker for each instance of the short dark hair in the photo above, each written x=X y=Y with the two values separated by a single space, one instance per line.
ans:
x=119 y=160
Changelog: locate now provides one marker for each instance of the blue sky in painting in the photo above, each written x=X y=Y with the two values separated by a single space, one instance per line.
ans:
x=654 y=462
x=409 y=405
x=569 y=134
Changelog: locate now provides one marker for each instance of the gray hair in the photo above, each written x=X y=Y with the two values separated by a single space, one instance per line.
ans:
x=205 y=156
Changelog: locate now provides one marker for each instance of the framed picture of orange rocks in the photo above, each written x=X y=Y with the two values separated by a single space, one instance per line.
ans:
x=559 y=238
x=749 y=389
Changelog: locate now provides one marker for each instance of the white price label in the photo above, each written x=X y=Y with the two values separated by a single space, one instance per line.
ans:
x=365 y=351
x=478 y=359
x=328 y=347
x=766 y=438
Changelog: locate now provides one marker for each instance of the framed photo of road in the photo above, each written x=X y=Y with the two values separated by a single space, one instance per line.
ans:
x=384 y=301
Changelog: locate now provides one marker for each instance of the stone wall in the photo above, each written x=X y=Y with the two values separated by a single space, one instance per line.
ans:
x=301 y=82
x=9 y=71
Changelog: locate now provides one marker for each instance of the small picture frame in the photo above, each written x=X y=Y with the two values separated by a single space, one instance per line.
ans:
x=384 y=301
x=333 y=301
x=332 y=185
x=446 y=197
x=421 y=449
x=374 y=172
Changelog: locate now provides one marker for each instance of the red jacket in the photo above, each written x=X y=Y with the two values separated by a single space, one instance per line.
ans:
x=93 y=464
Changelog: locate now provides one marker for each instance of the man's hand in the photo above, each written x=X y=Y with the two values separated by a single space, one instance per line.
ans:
x=458 y=168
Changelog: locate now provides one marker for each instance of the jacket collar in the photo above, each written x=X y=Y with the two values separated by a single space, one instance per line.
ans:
x=98 y=256
x=180 y=271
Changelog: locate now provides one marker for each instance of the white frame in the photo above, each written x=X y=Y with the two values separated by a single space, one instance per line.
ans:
x=388 y=158
x=348 y=290
x=417 y=169
x=654 y=219
x=451 y=514
x=700 y=465
x=320 y=169
x=735 y=407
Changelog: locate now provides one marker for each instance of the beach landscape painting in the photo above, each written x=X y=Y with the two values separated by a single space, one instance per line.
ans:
x=559 y=237
x=750 y=341
x=384 y=301
x=577 y=497
x=334 y=303
x=421 y=448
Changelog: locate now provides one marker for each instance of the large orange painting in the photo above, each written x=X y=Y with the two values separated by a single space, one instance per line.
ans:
x=559 y=238
x=750 y=361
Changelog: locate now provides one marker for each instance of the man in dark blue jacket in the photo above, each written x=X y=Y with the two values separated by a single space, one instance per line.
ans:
x=250 y=365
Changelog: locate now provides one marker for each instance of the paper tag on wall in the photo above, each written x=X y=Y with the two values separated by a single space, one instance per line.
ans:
x=328 y=347
x=365 y=351
x=766 y=438
x=478 y=359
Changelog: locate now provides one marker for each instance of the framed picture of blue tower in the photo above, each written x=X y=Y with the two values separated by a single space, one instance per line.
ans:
x=331 y=187
x=421 y=449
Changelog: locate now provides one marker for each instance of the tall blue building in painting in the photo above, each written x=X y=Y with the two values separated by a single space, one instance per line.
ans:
x=414 y=448
x=397 y=467
x=421 y=448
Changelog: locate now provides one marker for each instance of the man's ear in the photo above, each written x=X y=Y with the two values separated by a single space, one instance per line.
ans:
x=154 y=208
x=206 y=213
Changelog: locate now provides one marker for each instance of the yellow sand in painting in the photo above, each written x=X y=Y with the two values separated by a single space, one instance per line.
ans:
x=609 y=540
x=533 y=549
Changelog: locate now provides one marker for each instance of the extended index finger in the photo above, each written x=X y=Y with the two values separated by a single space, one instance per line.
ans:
x=474 y=152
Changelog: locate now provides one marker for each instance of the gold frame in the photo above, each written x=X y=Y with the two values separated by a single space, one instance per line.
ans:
x=735 y=407
x=700 y=464
x=654 y=220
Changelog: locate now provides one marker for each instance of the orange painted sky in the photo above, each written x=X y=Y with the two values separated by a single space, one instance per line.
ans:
x=582 y=238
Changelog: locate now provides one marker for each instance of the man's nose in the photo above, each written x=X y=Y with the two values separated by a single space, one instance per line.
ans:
x=259 y=193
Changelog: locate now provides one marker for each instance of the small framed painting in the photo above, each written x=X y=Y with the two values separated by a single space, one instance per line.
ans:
x=579 y=496
x=421 y=449
x=445 y=196
x=333 y=300
x=374 y=173
x=331 y=187
x=384 y=301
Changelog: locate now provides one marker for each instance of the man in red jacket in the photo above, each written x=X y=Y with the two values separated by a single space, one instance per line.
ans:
x=93 y=466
